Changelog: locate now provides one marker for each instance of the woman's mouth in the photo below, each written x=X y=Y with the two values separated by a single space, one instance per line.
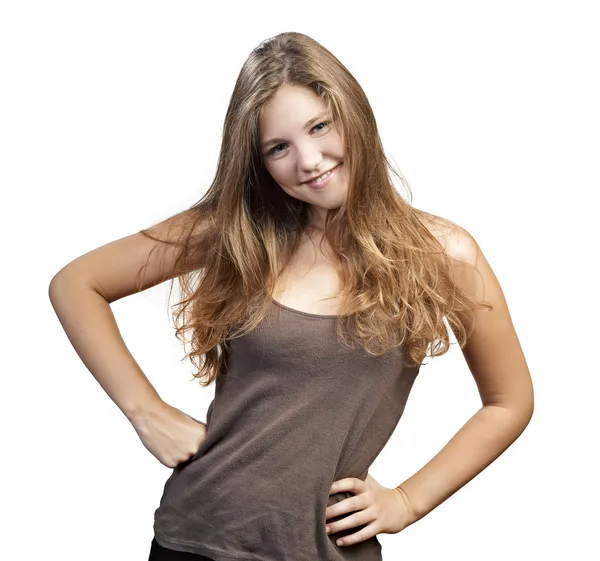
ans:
x=320 y=182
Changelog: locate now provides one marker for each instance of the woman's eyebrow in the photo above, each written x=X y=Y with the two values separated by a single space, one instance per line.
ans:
x=306 y=125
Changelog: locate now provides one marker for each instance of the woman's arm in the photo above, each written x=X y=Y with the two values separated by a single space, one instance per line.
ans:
x=90 y=325
x=81 y=293
x=496 y=361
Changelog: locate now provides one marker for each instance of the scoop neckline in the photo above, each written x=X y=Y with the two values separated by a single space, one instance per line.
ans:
x=321 y=316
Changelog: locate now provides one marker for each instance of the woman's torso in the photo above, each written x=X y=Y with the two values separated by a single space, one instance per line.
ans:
x=294 y=411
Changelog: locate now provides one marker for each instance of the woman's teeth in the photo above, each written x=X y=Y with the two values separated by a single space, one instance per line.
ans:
x=319 y=179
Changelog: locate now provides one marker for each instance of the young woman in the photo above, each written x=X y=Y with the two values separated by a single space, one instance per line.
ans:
x=312 y=292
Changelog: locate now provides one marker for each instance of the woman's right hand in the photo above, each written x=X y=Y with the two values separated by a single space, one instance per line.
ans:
x=169 y=434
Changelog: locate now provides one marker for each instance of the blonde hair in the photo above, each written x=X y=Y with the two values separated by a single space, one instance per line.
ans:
x=397 y=282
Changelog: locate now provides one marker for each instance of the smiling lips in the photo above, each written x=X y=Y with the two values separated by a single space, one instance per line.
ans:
x=319 y=176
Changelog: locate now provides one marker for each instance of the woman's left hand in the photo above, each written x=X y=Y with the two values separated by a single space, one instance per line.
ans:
x=385 y=510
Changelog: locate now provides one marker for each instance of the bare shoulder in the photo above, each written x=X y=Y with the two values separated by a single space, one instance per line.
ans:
x=457 y=242
x=492 y=351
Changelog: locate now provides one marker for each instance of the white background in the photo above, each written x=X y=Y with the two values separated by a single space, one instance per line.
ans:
x=110 y=120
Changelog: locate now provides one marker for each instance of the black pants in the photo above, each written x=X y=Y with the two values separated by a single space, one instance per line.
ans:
x=160 y=553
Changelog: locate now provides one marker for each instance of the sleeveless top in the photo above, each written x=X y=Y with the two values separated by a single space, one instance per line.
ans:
x=294 y=411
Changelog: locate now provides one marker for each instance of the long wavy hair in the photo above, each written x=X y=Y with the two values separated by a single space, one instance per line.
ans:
x=397 y=282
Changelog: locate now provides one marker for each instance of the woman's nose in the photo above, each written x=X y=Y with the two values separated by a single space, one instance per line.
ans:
x=308 y=160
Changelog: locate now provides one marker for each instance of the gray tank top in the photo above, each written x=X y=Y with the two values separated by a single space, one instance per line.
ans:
x=294 y=411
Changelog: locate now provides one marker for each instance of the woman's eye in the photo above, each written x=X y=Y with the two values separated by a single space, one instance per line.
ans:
x=274 y=150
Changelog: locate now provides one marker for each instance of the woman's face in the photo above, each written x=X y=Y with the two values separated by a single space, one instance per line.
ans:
x=295 y=150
